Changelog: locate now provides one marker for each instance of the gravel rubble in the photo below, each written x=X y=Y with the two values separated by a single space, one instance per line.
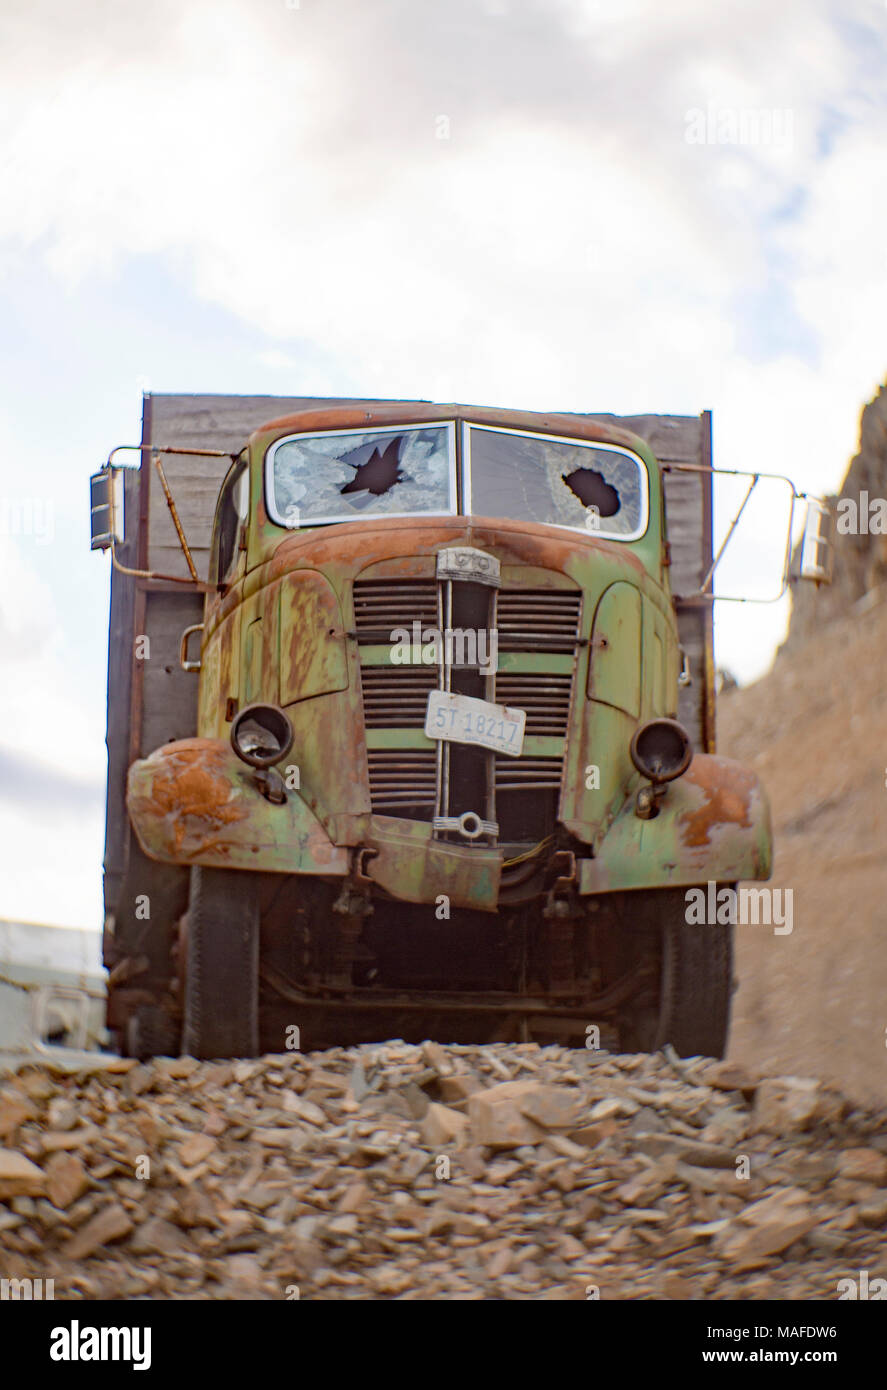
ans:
x=438 y=1172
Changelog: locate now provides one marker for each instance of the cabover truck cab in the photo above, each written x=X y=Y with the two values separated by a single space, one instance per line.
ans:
x=438 y=757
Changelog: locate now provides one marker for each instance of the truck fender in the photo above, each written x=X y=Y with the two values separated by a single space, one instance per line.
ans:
x=713 y=825
x=194 y=802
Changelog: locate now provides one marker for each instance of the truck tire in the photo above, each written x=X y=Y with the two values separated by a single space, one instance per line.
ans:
x=222 y=965
x=151 y=1032
x=695 y=985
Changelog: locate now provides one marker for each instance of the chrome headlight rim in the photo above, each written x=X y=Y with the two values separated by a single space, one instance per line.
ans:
x=277 y=723
x=684 y=750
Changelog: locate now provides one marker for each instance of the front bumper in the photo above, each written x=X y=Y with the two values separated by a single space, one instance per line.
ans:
x=194 y=802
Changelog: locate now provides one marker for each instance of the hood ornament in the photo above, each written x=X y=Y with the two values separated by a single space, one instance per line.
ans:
x=467 y=563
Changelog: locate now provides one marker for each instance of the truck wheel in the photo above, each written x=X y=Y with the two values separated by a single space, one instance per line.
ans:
x=222 y=965
x=150 y=1032
x=695 y=986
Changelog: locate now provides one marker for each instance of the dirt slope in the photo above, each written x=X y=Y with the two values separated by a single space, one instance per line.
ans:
x=815 y=729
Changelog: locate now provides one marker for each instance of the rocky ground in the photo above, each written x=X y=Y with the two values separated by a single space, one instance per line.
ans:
x=394 y=1171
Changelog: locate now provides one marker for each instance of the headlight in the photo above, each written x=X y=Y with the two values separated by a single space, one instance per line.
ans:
x=261 y=735
x=661 y=750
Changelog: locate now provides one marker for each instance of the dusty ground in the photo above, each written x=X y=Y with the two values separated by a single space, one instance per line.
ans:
x=815 y=729
x=506 y=1172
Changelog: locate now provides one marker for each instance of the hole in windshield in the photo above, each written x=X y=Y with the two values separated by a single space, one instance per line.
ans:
x=380 y=473
x=593 y=491
x=361 y=473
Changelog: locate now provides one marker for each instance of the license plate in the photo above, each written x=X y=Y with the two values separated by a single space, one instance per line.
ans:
x=461 y=719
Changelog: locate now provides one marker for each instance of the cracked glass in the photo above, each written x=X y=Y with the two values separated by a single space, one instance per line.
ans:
x=358 y=474
x=558 y=482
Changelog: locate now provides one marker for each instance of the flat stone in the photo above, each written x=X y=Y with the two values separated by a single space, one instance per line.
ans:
x=689 y=1151
x=303 y=1109
x=62 y=1115
x=177 y=1068
x=441 y=1126
x=196 y=1149
x=66 y=1179
x=863 y=1165
x=357 y=1197
x=731 y=1076
x=608 y=1108
x=497 y=1115
x=158 y=1237
x=111 y=1224
x=589 y=1136
x=344 y=1225
x=787 y=1105
x=873 y=1212
x=53 y=1140
x=552 y=1107
x=452 y=1089
x=19 y=1177
x=436 y=1057
x=14 y=1113
x=766 y=1228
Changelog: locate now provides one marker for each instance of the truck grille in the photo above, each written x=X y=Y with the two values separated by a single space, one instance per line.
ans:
x=395 y=697
x=537 y=619
x=381 y=605
x=533 y=774
x=546 y=699
x=403 y=780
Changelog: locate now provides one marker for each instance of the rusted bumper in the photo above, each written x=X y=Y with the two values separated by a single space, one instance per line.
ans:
x=713 y=824
x=194 y=802
x=411 y=866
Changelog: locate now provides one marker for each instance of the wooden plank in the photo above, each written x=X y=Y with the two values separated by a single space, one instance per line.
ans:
x=170 y=705
x=120 y=645
x=710 y=730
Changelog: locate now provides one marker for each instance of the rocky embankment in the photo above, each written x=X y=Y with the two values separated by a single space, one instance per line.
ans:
x=407 y=1172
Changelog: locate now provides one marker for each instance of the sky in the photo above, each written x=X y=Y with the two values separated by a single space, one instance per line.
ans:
x=544 y=204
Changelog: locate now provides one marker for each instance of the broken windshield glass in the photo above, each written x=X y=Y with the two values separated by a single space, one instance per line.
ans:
x=561 y=482
x=358 y=474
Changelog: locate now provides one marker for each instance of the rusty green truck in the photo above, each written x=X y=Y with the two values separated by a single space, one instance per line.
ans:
x=411 y=729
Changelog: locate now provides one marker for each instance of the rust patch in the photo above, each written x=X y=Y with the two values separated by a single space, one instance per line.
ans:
x=728 y=789
x=312 y=644
x=188 y=784
x=415 y=412
x=355 y=545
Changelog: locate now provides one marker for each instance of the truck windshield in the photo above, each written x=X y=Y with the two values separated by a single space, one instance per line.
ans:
x=595 y=488
x=398 y=471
